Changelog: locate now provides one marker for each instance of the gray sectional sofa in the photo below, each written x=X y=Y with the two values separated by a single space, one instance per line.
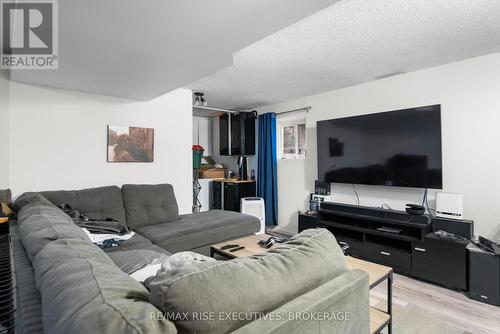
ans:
x=152 y=212
x=66 y=284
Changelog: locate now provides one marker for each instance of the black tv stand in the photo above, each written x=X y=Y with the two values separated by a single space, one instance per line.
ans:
x=394 y=238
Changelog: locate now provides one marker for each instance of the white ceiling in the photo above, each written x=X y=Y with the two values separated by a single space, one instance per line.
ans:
x=143 y=49
x=351 y=42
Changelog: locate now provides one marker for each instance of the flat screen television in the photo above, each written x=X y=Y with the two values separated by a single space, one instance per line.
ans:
x=398 y=148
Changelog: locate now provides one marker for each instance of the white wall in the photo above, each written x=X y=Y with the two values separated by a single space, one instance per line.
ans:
x=4 y=131
x=469 y=93
x=59 y=138
x=202 y=133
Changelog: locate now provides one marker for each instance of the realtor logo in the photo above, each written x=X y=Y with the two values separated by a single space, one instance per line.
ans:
x=29 y=34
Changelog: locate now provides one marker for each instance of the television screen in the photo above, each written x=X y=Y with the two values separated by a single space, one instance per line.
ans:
x=397 y=148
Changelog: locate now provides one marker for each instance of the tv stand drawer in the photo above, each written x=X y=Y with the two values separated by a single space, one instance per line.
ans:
x=391 y=256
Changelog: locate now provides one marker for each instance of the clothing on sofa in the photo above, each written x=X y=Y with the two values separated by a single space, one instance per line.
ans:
x=96 y=226
x=98 y=237
x=144 y=273
x=107 y=240
x=132 y=261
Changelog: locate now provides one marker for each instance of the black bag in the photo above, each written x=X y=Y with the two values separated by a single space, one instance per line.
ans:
x=95 y=226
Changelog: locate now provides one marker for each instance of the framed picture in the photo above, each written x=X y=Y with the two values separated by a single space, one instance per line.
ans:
x=130 y=144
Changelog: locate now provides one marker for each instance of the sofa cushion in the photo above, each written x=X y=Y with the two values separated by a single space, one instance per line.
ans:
x=84 y=292
x=59 y=251
x=149 y=204
x=40 y=223
x=30 y=198
x=196 y=230
x=250 y=285
x=97 y=203
x=137 y=242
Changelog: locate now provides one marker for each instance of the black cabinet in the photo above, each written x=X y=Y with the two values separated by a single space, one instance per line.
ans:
x=442 y=261
x=393 y=253
x=235 y=143
x=237 y=133
x=308 y=221
x=227 y=195
x=224 y=134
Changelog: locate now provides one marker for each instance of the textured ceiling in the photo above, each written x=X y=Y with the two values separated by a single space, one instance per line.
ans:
x=351 y=42
x=143 y=49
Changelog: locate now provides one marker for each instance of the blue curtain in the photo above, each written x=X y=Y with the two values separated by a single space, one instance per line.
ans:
x=267 y=178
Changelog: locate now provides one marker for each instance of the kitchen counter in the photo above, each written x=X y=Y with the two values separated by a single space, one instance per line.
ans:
x=234 y=180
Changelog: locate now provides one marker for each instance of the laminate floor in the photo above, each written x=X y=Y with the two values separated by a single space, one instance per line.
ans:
x=443 y=305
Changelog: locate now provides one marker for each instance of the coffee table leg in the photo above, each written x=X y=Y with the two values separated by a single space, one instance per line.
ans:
x=389 y=301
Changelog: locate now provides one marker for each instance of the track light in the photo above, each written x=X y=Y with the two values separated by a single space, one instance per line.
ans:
x=199 y=99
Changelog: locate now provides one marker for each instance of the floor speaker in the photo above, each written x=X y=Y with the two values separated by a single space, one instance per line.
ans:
x=484 y=276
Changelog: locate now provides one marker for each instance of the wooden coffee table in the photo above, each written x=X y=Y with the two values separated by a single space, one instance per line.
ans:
x=249 y=242
x=376 y=274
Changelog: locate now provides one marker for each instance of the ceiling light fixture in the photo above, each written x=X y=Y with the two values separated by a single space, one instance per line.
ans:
x=199 y=99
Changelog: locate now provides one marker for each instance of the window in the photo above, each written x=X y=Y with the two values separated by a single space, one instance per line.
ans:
x=292 y=139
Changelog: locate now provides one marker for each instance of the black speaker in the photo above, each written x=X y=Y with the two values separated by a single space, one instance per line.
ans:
x=462 y=228
x=484 y=276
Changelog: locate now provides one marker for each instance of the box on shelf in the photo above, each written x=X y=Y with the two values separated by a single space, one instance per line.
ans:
x=214 y=173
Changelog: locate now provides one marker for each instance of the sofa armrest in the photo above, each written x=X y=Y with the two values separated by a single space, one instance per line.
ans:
x=339 y=306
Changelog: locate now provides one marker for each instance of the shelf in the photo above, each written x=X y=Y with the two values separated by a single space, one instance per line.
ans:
x=370 y=231
x=378 y=320
x=372 y=218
